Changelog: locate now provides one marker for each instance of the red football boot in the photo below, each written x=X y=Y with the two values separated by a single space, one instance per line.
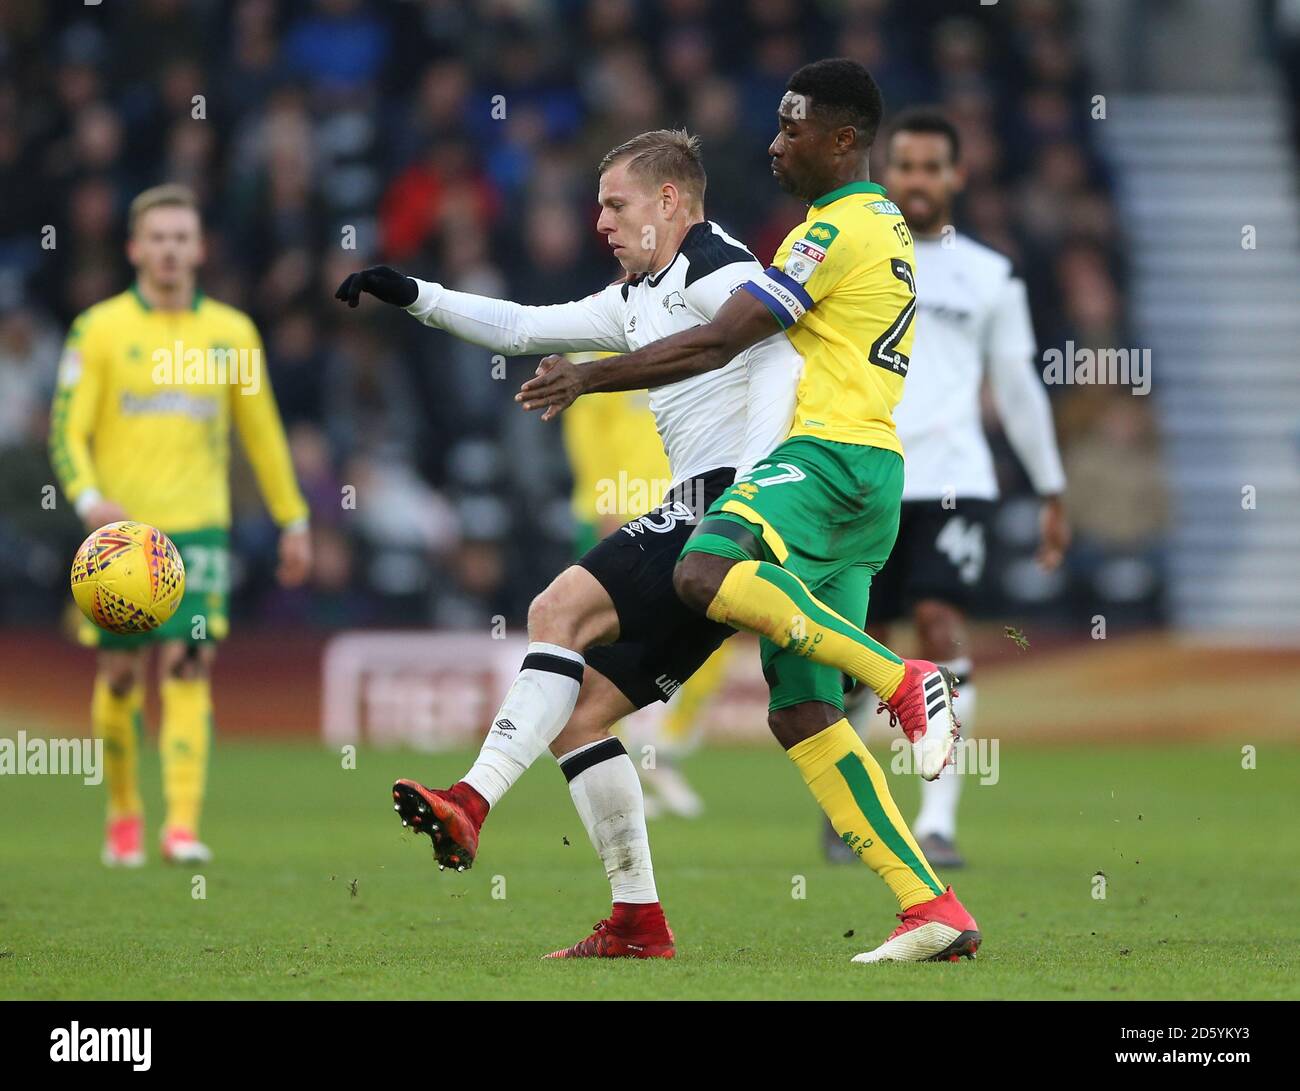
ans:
x=452 y=817
x=922 y=707
x=631 y=931
x=180 y=846
x=939 y=930
x=124 y=842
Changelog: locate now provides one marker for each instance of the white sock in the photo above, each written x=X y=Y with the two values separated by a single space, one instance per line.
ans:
x=607 y=794
x=939 y=797
x=536 y=708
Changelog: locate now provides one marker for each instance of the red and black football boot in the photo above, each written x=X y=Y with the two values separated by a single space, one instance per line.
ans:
x=631 y=931
x=452 y=817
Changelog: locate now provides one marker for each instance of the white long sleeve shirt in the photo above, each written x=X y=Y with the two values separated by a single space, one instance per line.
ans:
x=733 y=416
x=972 y=319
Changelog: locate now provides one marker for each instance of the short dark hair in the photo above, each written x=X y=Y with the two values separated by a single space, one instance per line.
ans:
x=663 y=155
x=928 y=119
x=843 y=93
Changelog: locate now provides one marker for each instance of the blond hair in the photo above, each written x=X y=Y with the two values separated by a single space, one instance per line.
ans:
x=170 y=195
x=663 y=155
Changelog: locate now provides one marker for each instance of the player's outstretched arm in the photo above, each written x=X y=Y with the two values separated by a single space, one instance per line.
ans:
x=740 y=322
x=584 y=325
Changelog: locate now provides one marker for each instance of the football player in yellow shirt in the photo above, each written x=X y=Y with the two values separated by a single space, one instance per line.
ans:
x=789 y=550
x=150 y=383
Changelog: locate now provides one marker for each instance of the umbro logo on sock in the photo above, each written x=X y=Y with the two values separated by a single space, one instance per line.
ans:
x=504 y=725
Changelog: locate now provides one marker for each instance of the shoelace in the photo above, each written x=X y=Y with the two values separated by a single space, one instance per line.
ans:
x=592 y=943
x=910 y=920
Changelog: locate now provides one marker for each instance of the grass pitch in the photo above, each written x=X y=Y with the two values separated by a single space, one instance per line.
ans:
x=317 y=892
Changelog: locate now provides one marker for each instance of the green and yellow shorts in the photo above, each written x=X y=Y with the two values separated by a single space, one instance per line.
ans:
x=204 y=610
x=825 y=511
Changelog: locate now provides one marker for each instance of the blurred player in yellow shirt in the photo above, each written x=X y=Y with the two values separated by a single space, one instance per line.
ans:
x=620 y=472
x=150 y=383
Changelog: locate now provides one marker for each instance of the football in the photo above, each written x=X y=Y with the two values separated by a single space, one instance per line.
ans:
x=128 y=577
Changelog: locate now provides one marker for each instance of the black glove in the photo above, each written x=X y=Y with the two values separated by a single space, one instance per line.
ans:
x=381 y=282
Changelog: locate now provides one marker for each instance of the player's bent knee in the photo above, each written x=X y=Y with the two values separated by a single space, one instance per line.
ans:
x=573 y=612
x=120 y=673
x=187 y=662
x=697 y=577
x=553 y=616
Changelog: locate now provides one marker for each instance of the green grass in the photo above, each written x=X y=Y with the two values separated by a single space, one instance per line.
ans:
x=1202 y=860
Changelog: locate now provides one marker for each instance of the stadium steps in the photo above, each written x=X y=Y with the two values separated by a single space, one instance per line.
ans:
x=1222 y=323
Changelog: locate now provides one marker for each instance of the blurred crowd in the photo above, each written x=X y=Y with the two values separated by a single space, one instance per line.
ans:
x=457 y=141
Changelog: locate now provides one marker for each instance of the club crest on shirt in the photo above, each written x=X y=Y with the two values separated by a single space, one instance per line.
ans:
x=822 y=233
x=673 y=300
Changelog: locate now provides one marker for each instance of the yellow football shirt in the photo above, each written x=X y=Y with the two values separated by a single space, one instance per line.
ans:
x=842 y=287
x=144 y=407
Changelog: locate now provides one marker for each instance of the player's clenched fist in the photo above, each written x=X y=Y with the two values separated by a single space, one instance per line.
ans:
x=381 y=282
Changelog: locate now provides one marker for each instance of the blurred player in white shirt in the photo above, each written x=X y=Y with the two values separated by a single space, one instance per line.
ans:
x=973 y=324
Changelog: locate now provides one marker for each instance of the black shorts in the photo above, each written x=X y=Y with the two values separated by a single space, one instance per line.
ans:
x=661 y=642
x=939 y=554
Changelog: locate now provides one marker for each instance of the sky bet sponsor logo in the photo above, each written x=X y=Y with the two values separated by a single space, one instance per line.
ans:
x=810 y=250
x=113 y=1044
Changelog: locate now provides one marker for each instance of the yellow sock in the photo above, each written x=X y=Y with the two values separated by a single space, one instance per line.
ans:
x=850 y=786
x=766 y=599
x=184 y=740
x=117 y=720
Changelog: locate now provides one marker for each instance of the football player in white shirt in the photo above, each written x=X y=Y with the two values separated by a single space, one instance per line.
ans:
x=973 y=325
x=610 y=635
